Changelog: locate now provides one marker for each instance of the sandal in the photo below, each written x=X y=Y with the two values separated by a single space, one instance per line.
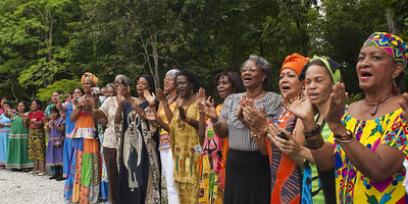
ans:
x=34 y=172
x=42 y=174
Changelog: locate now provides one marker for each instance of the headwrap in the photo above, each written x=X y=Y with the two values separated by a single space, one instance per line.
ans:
x=89 y=76
x=391 y=44
x=332 y=67
x=295 y=61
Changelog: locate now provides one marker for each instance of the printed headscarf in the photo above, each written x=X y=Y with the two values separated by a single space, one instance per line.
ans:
x=89 y=76
x=391 y=44
x=332 y=67
x=295 y=61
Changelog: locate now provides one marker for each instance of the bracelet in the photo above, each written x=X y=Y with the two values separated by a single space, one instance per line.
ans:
x=313 y=132
x=217 y=122
x=338 y=140
x=314 y=142
x=346 y=136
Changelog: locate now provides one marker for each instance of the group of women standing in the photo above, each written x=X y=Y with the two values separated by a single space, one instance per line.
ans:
x=177 y=145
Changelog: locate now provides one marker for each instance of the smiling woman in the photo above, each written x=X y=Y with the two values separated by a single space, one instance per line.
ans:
x=247 y=178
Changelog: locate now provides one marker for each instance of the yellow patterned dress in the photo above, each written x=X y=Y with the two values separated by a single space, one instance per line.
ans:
x=186 y=149
x=351 y=185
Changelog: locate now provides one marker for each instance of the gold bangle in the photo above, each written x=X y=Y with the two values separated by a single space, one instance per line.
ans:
x=338 y=140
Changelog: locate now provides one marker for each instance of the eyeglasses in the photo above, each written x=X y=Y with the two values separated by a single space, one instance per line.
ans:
x=250 y=69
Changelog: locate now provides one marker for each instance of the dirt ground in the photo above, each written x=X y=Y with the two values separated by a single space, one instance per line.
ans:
x=21 y=187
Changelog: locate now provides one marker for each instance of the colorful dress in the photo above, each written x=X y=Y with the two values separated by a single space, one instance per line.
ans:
x=4 y=133
x=55 y=143
x=17 y=157
x=211 y=165
x=36 y=137
x=312 y=191
x=85 y=163
x=186 y=150
x=285 y=174
x=351 y=185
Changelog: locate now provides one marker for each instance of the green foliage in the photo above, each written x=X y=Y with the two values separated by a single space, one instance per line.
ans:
x=63 y=86
x=47 y=42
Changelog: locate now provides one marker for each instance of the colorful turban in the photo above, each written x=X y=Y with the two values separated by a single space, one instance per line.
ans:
x=295 y=61
x=332 y=67
x=391 y=44
x=89 y=76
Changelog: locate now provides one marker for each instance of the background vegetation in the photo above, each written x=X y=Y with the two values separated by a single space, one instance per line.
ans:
x=46 y=45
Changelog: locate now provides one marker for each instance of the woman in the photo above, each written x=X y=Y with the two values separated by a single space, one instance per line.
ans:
x=214 y=149
x=185 y=143
x=139 y=171
x=164 y=114
x=86 y=155
x=36 y=138
x=285 y=173
x=370 y=137
x=17 y=157
x=247 y=168
x=68 y=148
x=110 y=143
x=5 y=124
x=319 y=76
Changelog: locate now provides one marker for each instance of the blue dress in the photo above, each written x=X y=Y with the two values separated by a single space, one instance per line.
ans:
x=4 y=131
x=67 y=150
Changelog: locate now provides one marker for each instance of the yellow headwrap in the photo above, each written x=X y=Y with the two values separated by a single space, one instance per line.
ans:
x=89 y=76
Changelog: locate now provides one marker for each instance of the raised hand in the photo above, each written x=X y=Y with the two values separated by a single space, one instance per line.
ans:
x=299 y=105
x=254 y=118
x=150 y=113
x=160 y=95
x=337 y=105
x=150 y=97
x=404 y=105
x=210 y=109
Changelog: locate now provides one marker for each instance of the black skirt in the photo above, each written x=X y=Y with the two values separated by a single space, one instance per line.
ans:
x=247 y=179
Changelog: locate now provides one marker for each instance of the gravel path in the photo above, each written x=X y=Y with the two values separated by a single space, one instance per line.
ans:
x=20 y=187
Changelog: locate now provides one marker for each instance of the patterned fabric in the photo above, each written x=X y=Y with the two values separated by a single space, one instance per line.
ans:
x=84 y=175
x=211 y=166
x=238 y=133
x=186 y=150
x=393 y=45
x=351 y=185
x=89 y=76
x=36 y=144
x=17 y=157
x=312 y=191
x=285 y=175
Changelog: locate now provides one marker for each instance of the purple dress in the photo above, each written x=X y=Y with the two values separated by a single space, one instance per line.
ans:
x=55 y=143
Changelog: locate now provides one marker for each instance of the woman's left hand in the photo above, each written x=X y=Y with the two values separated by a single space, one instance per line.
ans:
x=150 y=97
x=337 y=107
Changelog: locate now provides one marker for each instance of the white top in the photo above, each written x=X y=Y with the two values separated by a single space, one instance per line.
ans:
x=109 y=107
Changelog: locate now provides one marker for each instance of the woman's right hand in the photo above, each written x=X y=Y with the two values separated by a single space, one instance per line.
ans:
x=284 y=141
x=299 y=105
x=210 y=109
